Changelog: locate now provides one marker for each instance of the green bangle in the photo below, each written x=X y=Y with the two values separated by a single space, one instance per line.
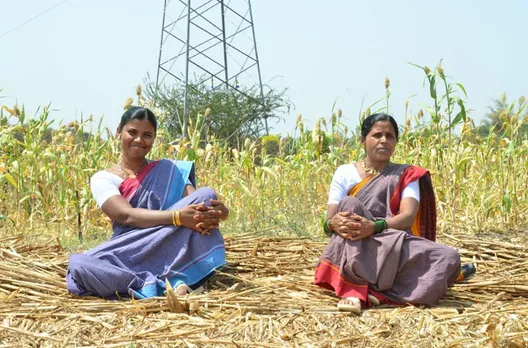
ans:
x=380 y=225
x=327 y=230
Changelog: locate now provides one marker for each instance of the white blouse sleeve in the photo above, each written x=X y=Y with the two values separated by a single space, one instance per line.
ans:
x=412 y=190
x=345 y=177
x=104 y=185
x=337 y=188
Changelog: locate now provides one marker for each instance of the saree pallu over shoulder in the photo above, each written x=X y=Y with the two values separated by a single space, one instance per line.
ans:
x=137 y=261
x=157 y=187
x=425 y=222
x=170 y=176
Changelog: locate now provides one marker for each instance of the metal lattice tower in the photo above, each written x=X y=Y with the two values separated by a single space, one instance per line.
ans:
x=211 y=40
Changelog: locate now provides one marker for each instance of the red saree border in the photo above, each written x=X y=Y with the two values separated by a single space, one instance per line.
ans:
x=328 y=276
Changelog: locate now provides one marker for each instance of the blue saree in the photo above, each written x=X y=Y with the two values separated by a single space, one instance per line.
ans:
x=135 y=262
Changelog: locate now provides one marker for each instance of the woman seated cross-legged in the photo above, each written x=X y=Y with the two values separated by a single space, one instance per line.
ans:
x=382 y=221
x=164 y=229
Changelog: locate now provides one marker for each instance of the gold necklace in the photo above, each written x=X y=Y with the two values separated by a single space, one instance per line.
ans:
x=370 y=171
x=133 y=175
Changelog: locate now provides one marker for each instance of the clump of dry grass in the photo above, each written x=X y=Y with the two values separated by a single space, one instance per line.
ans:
x=264 y=297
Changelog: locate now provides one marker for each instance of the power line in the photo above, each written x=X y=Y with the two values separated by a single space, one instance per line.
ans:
x=33 y=18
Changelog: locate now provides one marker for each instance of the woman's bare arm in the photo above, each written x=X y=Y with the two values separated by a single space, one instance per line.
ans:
x=119 y=209
x=332 y=210
x=405 y=218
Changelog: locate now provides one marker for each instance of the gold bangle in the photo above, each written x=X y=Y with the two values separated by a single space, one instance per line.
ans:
x=174 y=217
x=178 y=218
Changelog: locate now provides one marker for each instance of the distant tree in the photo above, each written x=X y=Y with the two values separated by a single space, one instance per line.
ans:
x=500 y=106
x=231 y=115
x=502 y=111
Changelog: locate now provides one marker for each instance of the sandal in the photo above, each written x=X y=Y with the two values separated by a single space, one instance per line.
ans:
x=353 y=305
x=182 y=289
x=373 y=300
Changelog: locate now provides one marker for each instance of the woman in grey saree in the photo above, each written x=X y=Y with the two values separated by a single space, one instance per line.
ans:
x=383 y=229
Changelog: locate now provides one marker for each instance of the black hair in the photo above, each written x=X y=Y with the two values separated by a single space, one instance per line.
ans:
x=138 y=113
x=370 y=121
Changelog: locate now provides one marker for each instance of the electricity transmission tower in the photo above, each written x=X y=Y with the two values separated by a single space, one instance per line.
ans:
x=209 y=40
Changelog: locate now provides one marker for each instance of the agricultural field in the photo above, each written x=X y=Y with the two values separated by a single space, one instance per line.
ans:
x=277 y=190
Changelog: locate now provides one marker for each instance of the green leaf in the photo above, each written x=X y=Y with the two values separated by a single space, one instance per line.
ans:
x=416 y=65
x=270 y=172
x=191 y=154
x=462 y=163
x=507 y=202
x=462 y=88
x=270 y=138
x=334 y=105
x=461 y=115
x=11 y=180
x=432 y=87
x=431 y=112
x=247 y=162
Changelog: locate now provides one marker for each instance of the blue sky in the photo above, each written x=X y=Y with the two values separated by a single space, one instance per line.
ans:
x=88 y=56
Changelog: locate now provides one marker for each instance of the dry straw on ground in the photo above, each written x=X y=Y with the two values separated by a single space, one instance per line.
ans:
x=264 y=297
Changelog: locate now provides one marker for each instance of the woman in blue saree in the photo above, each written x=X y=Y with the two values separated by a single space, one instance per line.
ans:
x=164 y=229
